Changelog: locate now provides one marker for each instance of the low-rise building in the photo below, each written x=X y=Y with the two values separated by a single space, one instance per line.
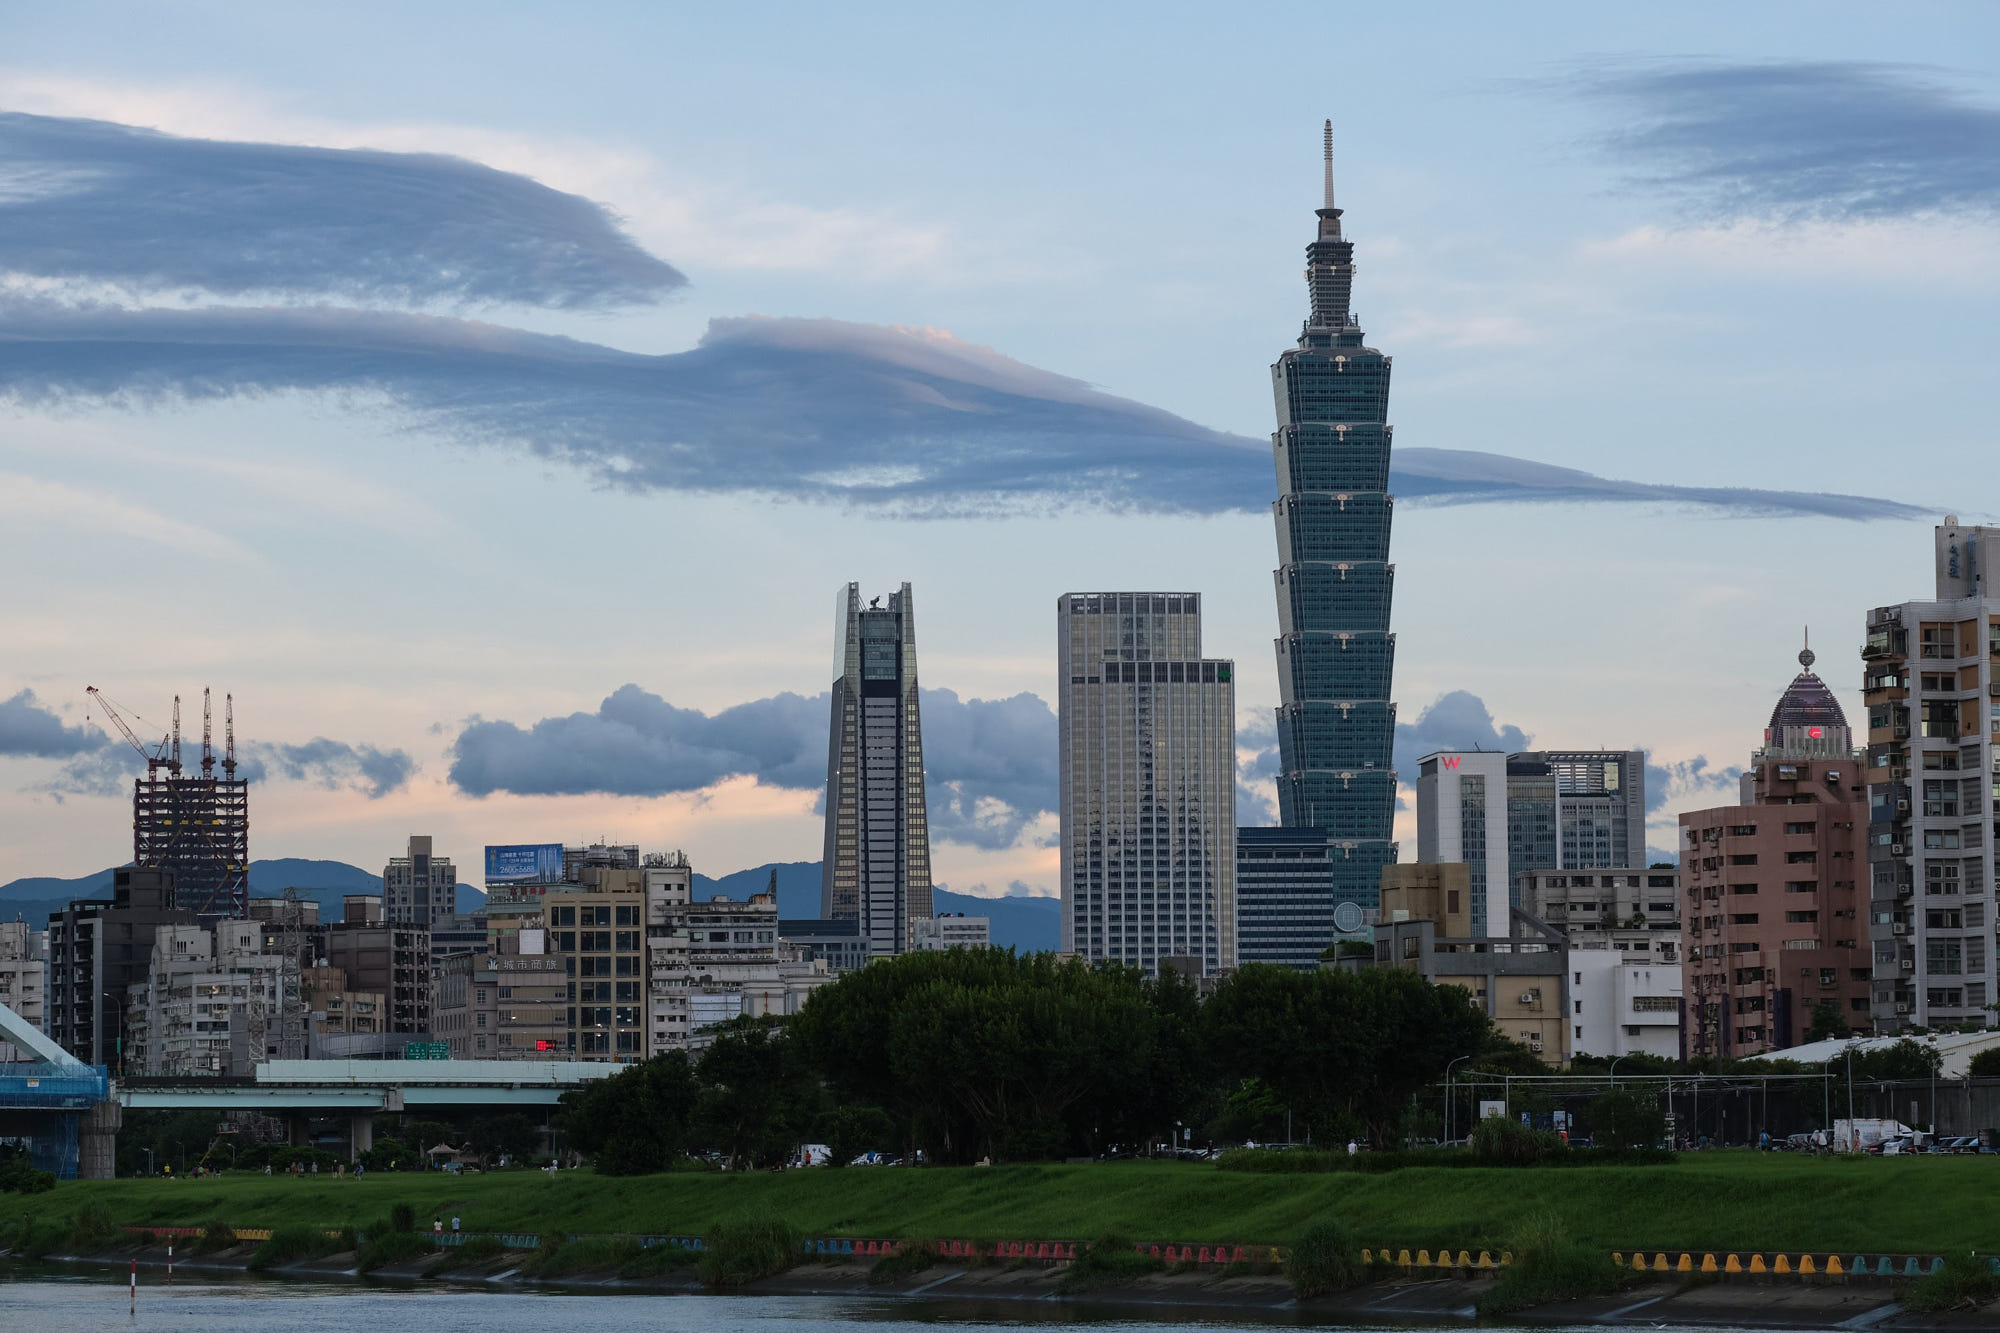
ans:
x=951 y=931
x=213 y=1003
x=468 y=1006
x=837 y=942
x=1287 y=913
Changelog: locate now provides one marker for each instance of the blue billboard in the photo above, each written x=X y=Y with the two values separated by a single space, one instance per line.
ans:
x=539 y=862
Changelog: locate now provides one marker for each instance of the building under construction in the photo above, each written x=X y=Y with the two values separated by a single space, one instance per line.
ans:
x=196 y=824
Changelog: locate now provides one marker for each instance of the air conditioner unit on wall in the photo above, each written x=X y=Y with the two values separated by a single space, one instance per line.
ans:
x=1902 y=1008
x=1898 y=850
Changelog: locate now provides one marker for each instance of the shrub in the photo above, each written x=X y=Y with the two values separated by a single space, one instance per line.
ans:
x=18 y=1176
x=402 y=1217
x=215 y=1236
x=478 y=1250
x=655 y=1260
x=1963 y=1282
x=1496 y=1140
x=391 y=1247
x=592 y=1254
x=1549 y=1266
x=1326 y=1259
x=1108 y=1261
x=1626 y=1121
x=92 y=1230
x=289 y=1245
x=908 y=1260
x=746 y=1248
x=34 y=1237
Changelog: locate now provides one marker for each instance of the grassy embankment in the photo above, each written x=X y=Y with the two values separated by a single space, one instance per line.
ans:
x=1719 y=1201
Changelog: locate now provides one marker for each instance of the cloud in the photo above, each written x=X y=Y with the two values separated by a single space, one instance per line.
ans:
x=990 y=764
x=28 y=729
x=105 y=206
x=1459 y=720
x=329 y=764
x=1800 y=140
x=1257 y=769
x=1688 y=783
x=913 y=421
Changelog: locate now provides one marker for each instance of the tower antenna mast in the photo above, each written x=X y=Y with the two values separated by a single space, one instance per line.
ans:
x=1329 y=164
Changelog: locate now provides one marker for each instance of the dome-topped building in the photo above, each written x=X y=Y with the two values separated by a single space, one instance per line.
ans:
x=1808 y=721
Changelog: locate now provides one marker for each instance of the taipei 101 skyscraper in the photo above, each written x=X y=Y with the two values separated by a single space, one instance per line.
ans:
x=1336 y=725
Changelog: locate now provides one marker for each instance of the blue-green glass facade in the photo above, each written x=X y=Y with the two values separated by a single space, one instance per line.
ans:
x=1336 y=725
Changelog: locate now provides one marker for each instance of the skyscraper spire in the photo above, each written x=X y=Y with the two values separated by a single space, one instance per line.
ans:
x=1329 y=164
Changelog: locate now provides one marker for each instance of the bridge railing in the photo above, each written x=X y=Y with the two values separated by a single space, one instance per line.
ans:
x=33 y=1086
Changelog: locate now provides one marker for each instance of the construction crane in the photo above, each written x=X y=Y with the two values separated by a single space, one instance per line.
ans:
x=167 y=754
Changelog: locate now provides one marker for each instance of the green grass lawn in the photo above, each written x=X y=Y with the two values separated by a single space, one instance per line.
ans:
x=1718 y=1200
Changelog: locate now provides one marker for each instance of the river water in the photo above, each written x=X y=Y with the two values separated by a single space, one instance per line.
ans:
x=38 y=1300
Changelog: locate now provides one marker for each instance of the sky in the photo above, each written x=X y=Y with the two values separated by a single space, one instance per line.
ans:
x=491 y=399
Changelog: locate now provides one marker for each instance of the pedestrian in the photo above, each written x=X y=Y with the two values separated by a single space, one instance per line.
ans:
x=437 y=1226
x=1352 y=1147
x=454 y=1224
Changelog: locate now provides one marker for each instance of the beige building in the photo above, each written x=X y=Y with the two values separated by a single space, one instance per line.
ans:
x=1622 y=931
x=23 y=977
x=468 y=1006
x=1438 y=892
x=951 y=931
x=530 y=988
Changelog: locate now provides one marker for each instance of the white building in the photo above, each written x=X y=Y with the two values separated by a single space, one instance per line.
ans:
x=1462 y=816
x=710 y=962
x=1623 y=1004
x=1148 y=746
x=1623 y=929
x=23 y=977
x=211 y=1003
x=951 y=932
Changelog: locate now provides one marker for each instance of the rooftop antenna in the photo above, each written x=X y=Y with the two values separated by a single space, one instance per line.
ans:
x=1329 y=164
x=1806 y=658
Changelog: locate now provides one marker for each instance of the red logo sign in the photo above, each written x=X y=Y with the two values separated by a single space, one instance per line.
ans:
x=1449 y=760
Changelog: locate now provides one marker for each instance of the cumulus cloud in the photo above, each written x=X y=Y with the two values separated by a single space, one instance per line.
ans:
x=329 y=764
x=914 y=421
x=30 y=729
x=1459 y=720
x=1690 y=783
x=990 y=763
x=1257 y=769
x=1803 y=139
x=110 y=206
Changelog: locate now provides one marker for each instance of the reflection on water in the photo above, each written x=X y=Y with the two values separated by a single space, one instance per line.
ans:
x=39 y=1299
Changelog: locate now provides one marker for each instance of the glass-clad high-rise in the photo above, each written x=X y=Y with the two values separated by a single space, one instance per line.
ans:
x=877 y=864
x=1336 y=725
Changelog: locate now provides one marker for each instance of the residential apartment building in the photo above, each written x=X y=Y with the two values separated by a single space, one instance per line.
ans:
x=714 y=961
x=213 y=1003
x=1148 y=790
x=1773 y=888
x=97 y=952
x=1932 y=692
x=386 y=958
x=341 y=1023
x=1622 y=930
x=597 y=929
x=1508 y=815
x=531 y=998
x=951 y=930
x=877 y=858
x=468 y=1006
x=23 y=977
x=1287 y=910
x=419 y=889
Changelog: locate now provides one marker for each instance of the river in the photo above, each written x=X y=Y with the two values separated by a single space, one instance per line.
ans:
x=38 y=1299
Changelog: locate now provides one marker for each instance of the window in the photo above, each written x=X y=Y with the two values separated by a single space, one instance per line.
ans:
x=1944 y=958
x=1801 y=917
x=1801 y=826
x=1743 y=859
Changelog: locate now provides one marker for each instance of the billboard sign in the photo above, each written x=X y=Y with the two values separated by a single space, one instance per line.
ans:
x=540 y=862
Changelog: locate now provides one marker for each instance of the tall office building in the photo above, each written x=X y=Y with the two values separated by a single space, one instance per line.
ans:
x=877 y=863
x=1931 y=684
x=1505 y=815
x=1148 y=739
x=1286 y=913
x=420 y=889
x=1336 y=724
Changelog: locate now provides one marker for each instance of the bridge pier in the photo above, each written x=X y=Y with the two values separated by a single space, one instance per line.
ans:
x=360 y=1134
x=298 y=1130
x=97 y=1141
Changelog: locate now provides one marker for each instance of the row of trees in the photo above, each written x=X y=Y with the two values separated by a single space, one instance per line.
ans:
x=973 y=1054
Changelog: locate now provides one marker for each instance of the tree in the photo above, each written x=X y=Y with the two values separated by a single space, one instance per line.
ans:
x=756 y=1096
x=635 y=1122
x=1828 y=1023
x=1906 y=1060
x=1342 y=1043
x=1625 y=1120
x=1986 y=1064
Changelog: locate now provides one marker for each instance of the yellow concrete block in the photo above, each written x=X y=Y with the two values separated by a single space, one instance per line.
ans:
x=1423 y=1258
x=1732 y=1265
x=1464 y=1259
x=1485 y=1259
x=1659 y=1263
x=1782 y=1265
x=1708 y=1264
x=1506 y=1257
x=1403 y=1258
x=1617 y=1258
x=1833 y=1268
x=1367 y=1255
x=1686 y=1264
x=1757 y=1264
x=1806 y=1268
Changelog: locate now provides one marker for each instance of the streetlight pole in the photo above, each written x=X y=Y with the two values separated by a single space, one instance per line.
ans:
x=1447 y=1095
x=1614 y=1069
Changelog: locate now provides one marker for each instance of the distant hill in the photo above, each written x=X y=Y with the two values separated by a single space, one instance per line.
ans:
x=1028 y=924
